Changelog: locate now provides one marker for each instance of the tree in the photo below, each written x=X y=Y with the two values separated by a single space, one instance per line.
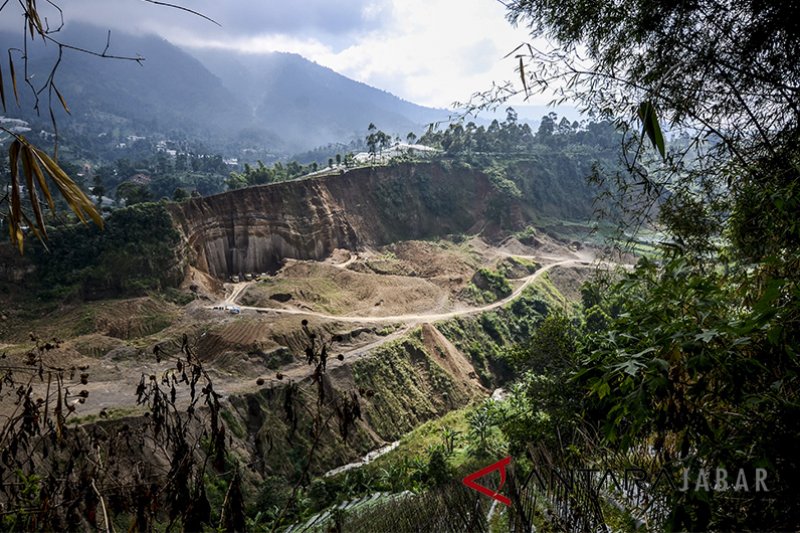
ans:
x=133 y=193
x=564 y=126
x=437 y=470
x=551 y=350
x=723 y=72
x=697 y=354
x=372 y=140
x=181 y=162
x=546 y=127
x=180 y=195
x=98 y=190
x=481 y=421
x=384 y=141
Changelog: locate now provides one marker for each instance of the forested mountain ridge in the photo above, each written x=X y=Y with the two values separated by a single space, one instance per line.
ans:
x=168 y=92
x=281 y=102
x=546 y=169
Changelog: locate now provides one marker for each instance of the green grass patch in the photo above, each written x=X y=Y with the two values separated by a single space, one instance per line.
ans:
x=233 y=424
x=416 y=443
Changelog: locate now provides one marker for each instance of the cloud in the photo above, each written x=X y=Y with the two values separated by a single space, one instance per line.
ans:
x=238 y=18
x=434 y=51
x=431 y=52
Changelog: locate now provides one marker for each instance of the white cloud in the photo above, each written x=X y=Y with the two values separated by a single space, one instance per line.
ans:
x=431 y=52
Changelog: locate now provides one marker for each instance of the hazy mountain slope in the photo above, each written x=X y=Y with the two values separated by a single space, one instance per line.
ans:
x=169 y=91
x=277 y=101
x=304 y=100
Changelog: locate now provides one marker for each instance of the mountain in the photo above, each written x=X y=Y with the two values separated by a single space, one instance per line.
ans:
x=279 y=102
x=306 y=101
x=169 y=91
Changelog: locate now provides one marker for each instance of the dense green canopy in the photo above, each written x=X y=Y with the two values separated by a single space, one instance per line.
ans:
x=691 y=361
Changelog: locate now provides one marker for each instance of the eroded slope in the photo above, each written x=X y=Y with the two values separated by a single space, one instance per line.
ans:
x=255 y=229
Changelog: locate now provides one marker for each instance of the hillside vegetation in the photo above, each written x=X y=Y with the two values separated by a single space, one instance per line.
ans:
x=549 y=170
x=139 y=250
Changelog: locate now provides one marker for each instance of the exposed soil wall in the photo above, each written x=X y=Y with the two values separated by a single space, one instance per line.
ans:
x=254 y=229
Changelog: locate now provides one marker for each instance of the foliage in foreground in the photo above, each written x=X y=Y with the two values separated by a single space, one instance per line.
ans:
x=143 y=471
x=676 y=367
x=690 y=362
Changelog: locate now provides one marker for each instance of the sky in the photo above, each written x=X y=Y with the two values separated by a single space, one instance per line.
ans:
x=431 y=52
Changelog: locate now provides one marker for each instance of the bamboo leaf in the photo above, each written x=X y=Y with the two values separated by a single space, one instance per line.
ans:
x=522 y=75
x=43 y=185
x=17 y=237
x=32 y=226
x=61 y=99
x=75 y=198
x=37 y=21
x=35 y=163
x=650 y=126
x=32 y=17
x=13 y=77
x=28 y=164
x=512 y=52
x=14 y=215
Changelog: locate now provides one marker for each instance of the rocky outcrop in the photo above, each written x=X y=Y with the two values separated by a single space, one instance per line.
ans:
x=255 y=229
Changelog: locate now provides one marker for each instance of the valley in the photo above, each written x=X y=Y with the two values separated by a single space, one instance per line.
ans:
x=256 y=343
x=402 y=272
x=242 y=291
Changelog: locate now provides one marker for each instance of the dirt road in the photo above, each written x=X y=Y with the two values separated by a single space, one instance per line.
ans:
x=416 y=318
x=117 y=394
x=238 y=288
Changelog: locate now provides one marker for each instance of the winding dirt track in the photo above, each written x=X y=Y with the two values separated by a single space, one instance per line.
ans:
x=415 y=318
x=116 y=393
x=238 y=288
x=299 y=371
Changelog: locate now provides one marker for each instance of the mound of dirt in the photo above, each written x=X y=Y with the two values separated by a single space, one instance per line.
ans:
x=569 y=280
x=328 y=289
x=544 y=245
x=434 y=259
x=200 y=283
x=123 y=319
x=516 y=268
x=95 y=345
x=238 y=335
x=451 y=359
x=340 y=256
x=131 y=319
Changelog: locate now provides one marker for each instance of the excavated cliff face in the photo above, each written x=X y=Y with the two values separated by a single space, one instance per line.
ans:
x=254 y=229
